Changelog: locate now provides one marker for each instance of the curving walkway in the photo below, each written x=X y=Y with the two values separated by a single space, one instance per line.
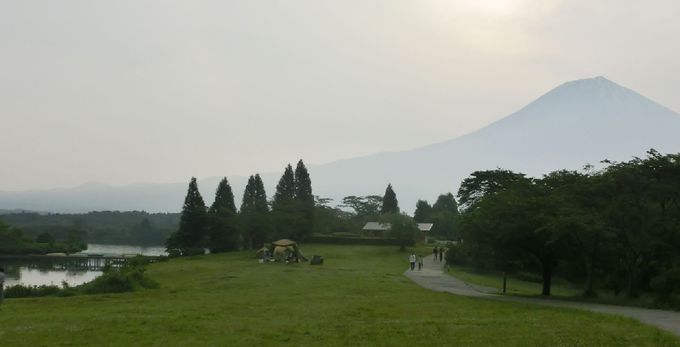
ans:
x=433 y=277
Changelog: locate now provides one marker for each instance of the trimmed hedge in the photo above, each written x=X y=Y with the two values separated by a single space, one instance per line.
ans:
x=368 y=241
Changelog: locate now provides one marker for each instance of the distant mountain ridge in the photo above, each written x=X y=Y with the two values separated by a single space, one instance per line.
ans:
x=577 y=123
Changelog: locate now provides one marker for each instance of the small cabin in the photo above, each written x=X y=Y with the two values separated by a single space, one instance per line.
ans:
x=380 y=229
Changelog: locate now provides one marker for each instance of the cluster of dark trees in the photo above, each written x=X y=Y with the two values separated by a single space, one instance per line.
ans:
x=443 y=214
x=13 y=241
x=222 y=228
x=615 y=229
x=110 y=227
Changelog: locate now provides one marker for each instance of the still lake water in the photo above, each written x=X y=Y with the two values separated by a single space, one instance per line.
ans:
x=21 y=273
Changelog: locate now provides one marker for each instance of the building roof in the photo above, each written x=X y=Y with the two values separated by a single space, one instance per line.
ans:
x=376 y=226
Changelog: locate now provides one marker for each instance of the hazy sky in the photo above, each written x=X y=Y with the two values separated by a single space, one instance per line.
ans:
x=156 y=91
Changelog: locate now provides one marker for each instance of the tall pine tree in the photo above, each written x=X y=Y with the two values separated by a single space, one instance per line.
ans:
x=285 y=190
x=261 y=204
x=255 y=219
x=390 y=205
x=304 y=202
x=192 y=233
x=224 y=197
x=224 y=233
x=285 y=207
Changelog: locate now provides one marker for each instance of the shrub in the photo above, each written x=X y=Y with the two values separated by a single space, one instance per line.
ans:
x=128 y=278
x=667 y=288
x=22 y=291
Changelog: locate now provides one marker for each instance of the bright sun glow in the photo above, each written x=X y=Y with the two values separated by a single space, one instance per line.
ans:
x=497 y=7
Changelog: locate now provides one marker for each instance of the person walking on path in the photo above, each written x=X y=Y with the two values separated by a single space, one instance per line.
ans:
x=412 y=260
x=434 y=253
x=2 y=285
x=420 y=262
x=441 y=254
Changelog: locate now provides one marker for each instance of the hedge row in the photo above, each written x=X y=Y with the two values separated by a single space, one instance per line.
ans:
x=369 y=241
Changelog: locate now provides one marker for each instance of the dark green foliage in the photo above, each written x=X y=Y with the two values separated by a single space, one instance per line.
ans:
x=21 y=291
x=354 y=240
x=304 y=202
x=303 y=184
x=365 y=207
x=403 y=229
x=13 y=241
x=193 y=226
x=667 y=285
x=128 y=278
x=329 y=220
x=254 y=215
x=293 y=204
x=444 y=214
x=224 y=197
x=423 y=212
x=614 y=229
x=485 y=183
x=45 y=238
x=390 y=205
x=285 y=189
x=222 y=220
x=110 y=227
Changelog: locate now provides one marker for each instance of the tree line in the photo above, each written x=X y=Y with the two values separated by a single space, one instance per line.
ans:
x=294 y=213
x=110 y=227
x=14 y=241
x=221 y=227
x=614 y=229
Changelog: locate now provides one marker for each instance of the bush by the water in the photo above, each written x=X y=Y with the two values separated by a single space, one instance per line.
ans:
x=21 y=291
x=128 y=278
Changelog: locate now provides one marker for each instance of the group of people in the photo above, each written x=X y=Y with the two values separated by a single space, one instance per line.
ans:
x=437 y=253
x=413 y=258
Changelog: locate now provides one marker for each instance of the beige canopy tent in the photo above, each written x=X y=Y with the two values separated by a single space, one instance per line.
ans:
x=283 y=250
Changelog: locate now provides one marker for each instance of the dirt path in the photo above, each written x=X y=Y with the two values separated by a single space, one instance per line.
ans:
x=432 y=277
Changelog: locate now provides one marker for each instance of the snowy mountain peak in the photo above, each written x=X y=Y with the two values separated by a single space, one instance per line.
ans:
x=592 y=97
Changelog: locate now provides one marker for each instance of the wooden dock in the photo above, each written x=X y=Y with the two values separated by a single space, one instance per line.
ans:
x=93 y=262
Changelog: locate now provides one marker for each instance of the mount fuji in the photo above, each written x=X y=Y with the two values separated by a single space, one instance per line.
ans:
x=577 y=123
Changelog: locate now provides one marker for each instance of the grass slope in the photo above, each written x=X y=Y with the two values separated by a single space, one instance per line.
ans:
x=359 y=297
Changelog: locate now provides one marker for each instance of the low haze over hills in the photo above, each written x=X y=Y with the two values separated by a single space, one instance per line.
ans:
x=577 y=123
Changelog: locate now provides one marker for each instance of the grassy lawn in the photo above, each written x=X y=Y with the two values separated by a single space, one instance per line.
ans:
x=359 y=297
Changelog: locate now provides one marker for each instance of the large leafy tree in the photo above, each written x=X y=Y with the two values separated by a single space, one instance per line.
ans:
x=507 y=219
x=365 y=207
x=444 y=214
x=224 y=233
x=402 y=228
x=423 y=212
x=481 y=184
x=193 y=227
x=390 y=205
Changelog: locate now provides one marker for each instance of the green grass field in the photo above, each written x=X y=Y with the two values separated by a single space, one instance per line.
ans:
x=359 y=297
